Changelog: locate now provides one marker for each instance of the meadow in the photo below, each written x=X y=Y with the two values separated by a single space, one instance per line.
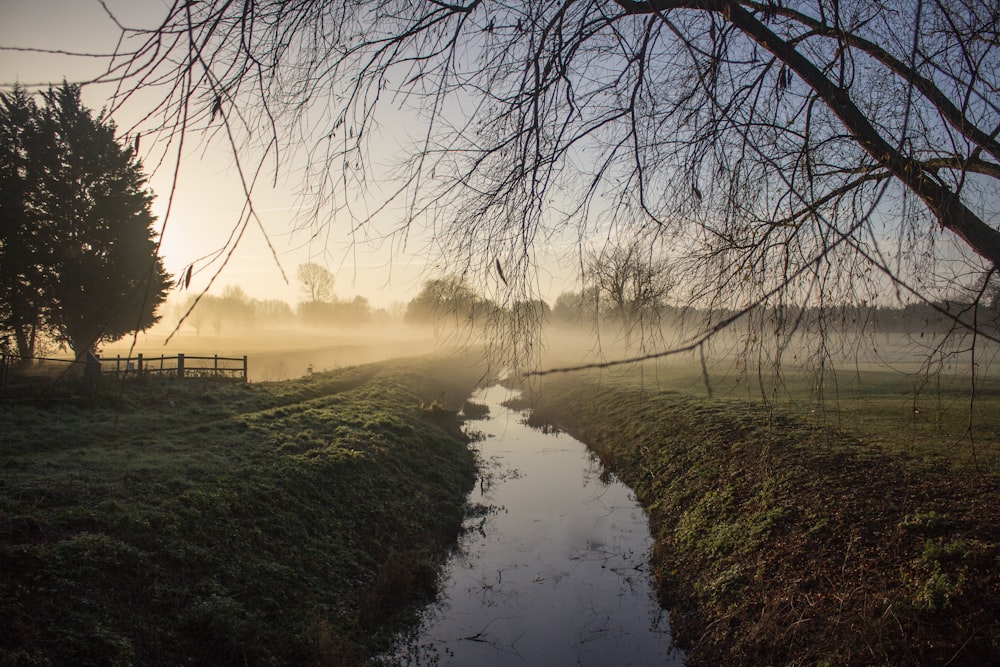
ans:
x=212 y=522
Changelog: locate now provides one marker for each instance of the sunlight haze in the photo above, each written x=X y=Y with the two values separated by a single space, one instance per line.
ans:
x=209 y=198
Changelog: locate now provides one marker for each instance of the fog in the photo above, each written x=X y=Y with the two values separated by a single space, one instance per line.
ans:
x=282 y=353
x=744 y=354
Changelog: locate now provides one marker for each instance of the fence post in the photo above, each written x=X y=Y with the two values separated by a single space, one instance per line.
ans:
x=215 y=371
x=138 y=363
x=245 y=376
x=180 y=365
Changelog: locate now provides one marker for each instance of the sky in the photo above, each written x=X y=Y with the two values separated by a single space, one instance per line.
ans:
x=209 y=197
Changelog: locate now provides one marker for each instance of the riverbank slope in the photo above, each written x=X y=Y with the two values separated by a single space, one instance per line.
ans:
x=207 y=522
x=784 y=543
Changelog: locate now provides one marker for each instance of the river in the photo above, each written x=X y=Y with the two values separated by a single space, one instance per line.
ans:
x=552 y=568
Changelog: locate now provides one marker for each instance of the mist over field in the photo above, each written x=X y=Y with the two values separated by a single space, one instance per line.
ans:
x=286 y=352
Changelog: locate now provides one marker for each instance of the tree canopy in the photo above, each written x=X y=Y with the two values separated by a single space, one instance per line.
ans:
x=807 y=151
x=447 y=301
x=78 y=253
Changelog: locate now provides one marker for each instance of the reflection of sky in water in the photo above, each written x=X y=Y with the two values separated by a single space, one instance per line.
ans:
x=555 y=571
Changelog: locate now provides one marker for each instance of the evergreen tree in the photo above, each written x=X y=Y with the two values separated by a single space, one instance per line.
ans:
x=84 y=205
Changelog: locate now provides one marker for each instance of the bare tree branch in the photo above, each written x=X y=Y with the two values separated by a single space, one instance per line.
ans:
x=741 y=139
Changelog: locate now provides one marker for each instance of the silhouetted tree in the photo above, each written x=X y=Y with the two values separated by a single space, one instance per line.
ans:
x=317 y=282
x=354 y=312
x=536 y=310
x=630 y=282
x=447 y=300
x=316 y=313
x=212 y=311
x=194 y=314
x=88 y=223
x=235 y=306
x=335 y=313
x=273 y=311
x=574 y=309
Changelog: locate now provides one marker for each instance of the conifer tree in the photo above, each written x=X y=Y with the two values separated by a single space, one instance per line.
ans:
x=81 y=200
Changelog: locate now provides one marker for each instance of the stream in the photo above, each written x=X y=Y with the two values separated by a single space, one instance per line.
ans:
x=552 y=568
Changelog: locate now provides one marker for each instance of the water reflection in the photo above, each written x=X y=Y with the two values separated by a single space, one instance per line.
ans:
x=552 y=569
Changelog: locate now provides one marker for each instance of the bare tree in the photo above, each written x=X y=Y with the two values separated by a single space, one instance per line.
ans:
x=577 y=309
x=790 y=151
x=317 y=282
x=195 y=317
x=632 y=282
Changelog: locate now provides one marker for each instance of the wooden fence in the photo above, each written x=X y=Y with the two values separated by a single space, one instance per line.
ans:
x=19 y=374
x=38 y=367
x=180 y=365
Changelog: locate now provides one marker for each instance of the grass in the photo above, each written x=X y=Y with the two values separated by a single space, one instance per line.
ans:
x=781 y=539
x=931 y=419
x=212 y=522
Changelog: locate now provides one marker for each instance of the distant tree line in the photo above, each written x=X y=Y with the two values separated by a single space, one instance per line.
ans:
x=624 y=288
x=593 y=306
x=633 y=296
x=777 y=152
x=319 y=308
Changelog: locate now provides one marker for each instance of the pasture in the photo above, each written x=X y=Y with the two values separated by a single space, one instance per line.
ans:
x=284 y=353
x=908 y=395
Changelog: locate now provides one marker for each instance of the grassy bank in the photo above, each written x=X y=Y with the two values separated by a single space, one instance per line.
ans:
x=201 y=522
x=781 y=540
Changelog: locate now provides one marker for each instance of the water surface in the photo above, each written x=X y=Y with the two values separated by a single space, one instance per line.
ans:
x=553 y=566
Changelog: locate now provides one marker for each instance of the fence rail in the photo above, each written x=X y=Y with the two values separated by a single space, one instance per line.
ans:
x=180 y=365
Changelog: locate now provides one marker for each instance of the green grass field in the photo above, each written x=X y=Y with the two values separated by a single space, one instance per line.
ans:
x=208 y=522
x=941 y=419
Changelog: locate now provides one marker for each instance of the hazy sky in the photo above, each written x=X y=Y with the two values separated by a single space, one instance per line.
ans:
x=209 y=197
